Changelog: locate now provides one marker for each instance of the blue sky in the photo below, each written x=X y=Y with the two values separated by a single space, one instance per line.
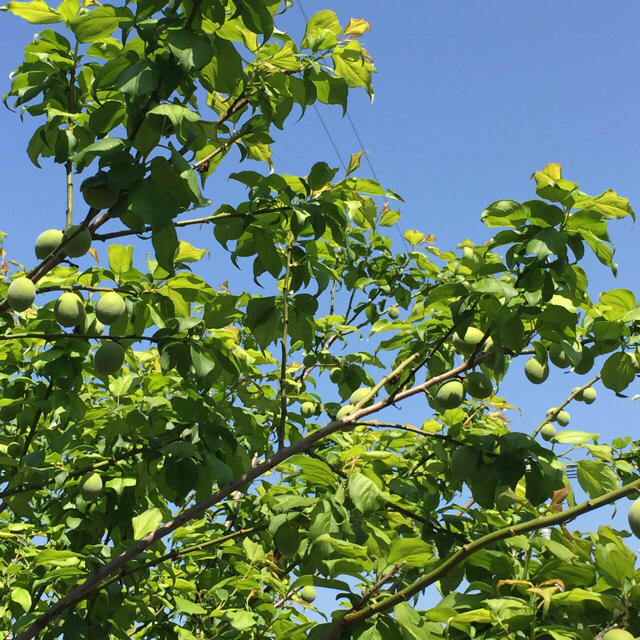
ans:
x=471 y=98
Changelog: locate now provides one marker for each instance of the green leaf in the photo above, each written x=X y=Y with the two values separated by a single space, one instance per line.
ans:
x=188 y=253
x=254 y=551
x=578 y=596
x=190 y=50
x=321 y=174
x=352 y=65
x=104 y=147
x=176 y=113
x=22 y=597
x=618 y=371
x=165 y=243
x=98 y=24
x=188 y=607
x=504 y=213
x=614 y=304
x=120 y=259
x=240 y=619
x=55 y=558
x=322 y=30
x=314 y=471
x=365 y=494
x=610 y=205
x=146 y=522
x=596 y=477
x=413 y=551
x=35 y=12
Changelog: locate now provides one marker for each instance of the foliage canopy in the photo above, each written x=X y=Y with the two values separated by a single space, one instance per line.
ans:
x=191 y=469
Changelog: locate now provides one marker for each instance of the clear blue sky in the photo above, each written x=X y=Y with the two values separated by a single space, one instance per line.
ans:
x=471 y=98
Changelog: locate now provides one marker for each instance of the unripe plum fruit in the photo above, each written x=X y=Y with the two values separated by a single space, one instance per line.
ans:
x=79 y=244
x=548 y=432
x=21 y=294
x=450 y=394
x=91 y=487
x=110 y=307
x=478 y=385
x=47 y=242
x=69 y=309
x=109 y=358
x=536 y=371
x=308 y=593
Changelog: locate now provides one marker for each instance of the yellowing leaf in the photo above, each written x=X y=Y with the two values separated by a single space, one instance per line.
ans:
x=357 y=27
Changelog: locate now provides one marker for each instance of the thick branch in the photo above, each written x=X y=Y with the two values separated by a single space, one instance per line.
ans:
x=454 y=560
x=93 y=581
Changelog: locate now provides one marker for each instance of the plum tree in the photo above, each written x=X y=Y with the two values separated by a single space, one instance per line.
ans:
x=187 y=494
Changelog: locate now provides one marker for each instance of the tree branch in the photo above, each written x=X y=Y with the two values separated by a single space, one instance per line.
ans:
x=468 y=549
x=93 y=580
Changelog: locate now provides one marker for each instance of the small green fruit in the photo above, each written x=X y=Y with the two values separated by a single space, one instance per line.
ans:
x=589 y=395
x=551 y=413
x=79 y=244
x=617 y=634
x=110 y=307
x=96 y=192
x=394 y=313
x=69 y=309
x=536 y=371
x=450 y=394
x=91 y=487
x=47 y=242
x=558 y=356
x=287 y=539
x=336 y=375
x=14 y=450
x=344 y=411
x=307 y=409
x=478 y=385
x=109 y=358
x=308 y=593
x=359 y=395
x=563 y=418
x=309 y=360
x=467 y=342
x=21 y=294
x=634 y=518
x=548 y=432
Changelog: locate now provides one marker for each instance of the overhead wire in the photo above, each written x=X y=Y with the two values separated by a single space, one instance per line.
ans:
x=357 y=136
